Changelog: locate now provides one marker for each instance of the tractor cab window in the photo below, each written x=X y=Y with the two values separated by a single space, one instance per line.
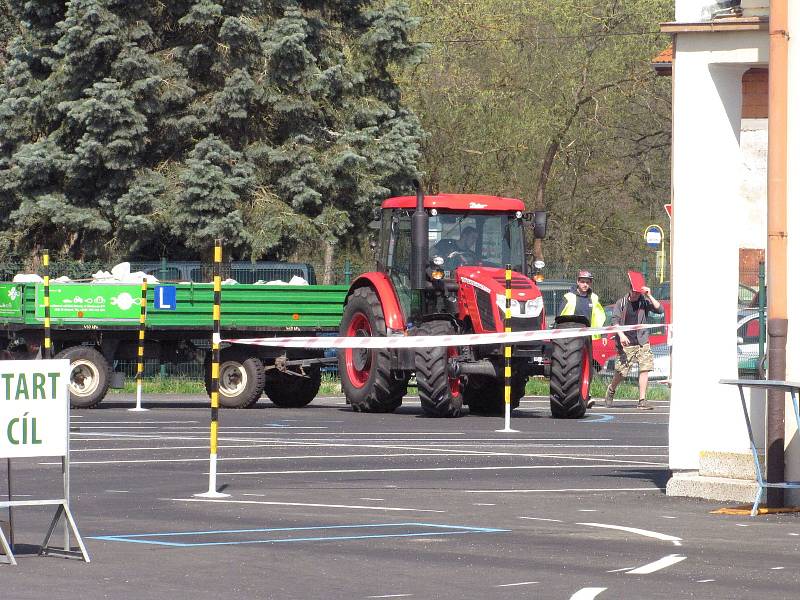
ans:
x=476 y=239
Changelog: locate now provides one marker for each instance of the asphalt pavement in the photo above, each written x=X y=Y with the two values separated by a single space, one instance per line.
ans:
x=325 y=503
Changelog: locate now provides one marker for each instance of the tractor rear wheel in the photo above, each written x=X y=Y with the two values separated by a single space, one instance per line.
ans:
x=439 y=393
x=486 y=395
x=570 y=375
x=366 y=373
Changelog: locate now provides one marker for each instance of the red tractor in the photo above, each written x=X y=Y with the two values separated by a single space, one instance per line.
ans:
x=441 y=271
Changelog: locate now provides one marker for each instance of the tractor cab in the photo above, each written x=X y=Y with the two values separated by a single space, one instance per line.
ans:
x=462 y=241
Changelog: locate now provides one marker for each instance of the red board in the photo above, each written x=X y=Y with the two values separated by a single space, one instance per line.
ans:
x=668 y=208
x=637 y=281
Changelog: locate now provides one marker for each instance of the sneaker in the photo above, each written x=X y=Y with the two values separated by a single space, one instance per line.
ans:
x=610 y=396
x=644 y=405
x=590 y=403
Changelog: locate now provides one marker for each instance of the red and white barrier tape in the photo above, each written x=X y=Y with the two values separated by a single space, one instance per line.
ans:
x=425 y=341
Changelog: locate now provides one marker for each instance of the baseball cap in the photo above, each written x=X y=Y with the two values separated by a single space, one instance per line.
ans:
x=584 y=274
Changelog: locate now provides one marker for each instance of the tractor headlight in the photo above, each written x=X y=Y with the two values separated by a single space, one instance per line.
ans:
x=533 y=308
x=501 y=304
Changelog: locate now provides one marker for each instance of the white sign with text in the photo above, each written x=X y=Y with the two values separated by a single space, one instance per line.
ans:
x=34 y=408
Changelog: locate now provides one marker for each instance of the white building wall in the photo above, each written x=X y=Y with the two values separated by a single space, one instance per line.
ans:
x=707 y=185
x=753 y=193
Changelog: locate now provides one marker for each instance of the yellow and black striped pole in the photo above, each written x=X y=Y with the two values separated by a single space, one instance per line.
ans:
x=47 y=350
x=507 y=355
x=140 y=349
x=215 y=343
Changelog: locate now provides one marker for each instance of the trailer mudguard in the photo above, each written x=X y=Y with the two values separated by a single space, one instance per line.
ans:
x=380 y=282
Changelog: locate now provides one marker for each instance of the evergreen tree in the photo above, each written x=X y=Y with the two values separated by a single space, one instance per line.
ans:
x=139 y=128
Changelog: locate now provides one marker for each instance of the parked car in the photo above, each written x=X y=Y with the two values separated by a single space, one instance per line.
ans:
x=747 y=334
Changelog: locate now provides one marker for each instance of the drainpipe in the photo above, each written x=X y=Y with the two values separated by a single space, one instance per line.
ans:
x=777 y=319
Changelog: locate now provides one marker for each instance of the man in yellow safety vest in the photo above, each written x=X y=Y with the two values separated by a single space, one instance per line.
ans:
x=583 y=302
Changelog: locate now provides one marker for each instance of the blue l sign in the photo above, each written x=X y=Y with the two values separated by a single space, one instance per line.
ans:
x=165 y=297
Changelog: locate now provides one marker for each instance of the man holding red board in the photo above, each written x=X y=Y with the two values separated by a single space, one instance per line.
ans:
x=634 y=347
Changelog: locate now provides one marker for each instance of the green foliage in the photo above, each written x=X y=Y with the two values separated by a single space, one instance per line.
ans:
x=553 y=101
x=135 y=129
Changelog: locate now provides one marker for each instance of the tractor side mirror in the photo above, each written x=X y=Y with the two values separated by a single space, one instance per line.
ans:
x=539 y=224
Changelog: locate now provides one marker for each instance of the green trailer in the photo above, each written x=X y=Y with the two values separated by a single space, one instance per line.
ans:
x=95 y=324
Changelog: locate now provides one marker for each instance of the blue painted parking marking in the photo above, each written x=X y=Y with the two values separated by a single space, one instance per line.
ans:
x=416 y=530
x=598 y=419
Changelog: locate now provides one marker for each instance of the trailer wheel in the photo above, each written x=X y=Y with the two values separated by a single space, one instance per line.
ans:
x=90 y=376
x=570 y=375
x=486 y=395
x=366 y=374
x=293 y=391
x=439 y=393
x=241 y=379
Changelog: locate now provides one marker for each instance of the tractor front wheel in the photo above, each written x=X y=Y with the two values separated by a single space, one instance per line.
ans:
x=439 y=393
x=570 y=375
x=486 y=395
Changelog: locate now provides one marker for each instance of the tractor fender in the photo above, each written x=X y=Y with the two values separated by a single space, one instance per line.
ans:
x=382 y=285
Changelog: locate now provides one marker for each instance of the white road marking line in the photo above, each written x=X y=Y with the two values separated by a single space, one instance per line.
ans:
x=482 y=504
x=777 y=568
x=537 y=491
x=372 y=499
x=644 y=532
x=116 y=427
x=389 y=508
x=666 y=517
x=587 y=510
x=541 y=519
x=661 y=563
x=391 y=596
x=155 y=448
x=243 y=458
x=256 y=495
x=620 y=570
x=117 y=492
x=587 y=593
x=420 y=469
x=742 y=525
x=148 y=422
x=794 y=534
x=705 y=580
x=486 y=453
x=516 y=584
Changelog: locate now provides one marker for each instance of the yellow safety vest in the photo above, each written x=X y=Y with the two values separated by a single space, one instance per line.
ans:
x=598 y=312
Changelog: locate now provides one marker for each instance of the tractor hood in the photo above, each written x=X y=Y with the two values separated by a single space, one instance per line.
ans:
x=487 y=283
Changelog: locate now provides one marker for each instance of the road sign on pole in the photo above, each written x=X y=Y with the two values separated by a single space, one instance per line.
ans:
x=653 y=236
x=668 y=208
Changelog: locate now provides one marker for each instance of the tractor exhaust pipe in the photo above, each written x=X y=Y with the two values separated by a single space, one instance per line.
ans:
x=419 y=241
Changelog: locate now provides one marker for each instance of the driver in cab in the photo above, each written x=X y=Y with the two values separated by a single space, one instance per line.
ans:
x=464 y=248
